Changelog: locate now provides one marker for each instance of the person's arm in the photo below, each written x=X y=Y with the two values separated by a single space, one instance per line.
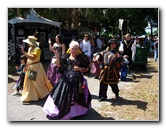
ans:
x=89 y=50
x=18 y=68
x=121 y=47
x=50 y=45
x=29 y=56
x=63 y=49
x=58 y=59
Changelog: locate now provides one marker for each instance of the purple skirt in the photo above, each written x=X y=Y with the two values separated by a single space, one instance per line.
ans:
x=53 y=73
x=76 y=109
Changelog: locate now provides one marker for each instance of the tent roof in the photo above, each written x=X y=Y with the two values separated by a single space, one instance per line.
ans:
x=33 y=17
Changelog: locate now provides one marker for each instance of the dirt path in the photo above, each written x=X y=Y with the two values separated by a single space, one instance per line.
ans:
x=139 y=99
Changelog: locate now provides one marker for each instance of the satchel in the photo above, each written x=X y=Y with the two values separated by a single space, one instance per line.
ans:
x=32 y=74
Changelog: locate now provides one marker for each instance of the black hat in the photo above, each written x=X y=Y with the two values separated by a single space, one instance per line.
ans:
x=112 y=41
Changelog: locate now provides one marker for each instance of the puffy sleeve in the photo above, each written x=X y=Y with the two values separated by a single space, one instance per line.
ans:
x=84 y=61
x=36 y=52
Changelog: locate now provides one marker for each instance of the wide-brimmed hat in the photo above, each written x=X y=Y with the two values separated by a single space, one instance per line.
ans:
x=112 y=41
x=31 y=40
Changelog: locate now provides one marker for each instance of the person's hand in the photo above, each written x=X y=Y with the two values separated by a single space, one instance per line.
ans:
x=76 y=68
x=22 y=49
x=49 y=41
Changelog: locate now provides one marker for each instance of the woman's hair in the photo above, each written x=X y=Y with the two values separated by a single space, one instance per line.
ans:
x=73 y=44
x=60 y=38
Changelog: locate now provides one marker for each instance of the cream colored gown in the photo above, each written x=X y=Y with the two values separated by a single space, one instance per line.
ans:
x=40 y=88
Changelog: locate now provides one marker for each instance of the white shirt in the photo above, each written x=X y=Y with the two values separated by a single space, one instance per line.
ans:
x=86 y=47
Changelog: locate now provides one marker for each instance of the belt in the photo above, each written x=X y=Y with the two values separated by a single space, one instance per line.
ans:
x=33 y=63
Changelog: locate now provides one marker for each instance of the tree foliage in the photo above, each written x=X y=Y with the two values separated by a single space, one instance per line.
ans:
x=92 y=18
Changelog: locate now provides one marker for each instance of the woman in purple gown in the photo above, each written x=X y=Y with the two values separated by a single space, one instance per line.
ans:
x=70 y=97
x=52 y=72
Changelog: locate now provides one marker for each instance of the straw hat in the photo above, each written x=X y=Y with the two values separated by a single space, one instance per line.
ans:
x=31 y=40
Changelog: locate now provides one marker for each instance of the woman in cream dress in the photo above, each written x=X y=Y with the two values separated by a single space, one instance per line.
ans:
x=41 y=87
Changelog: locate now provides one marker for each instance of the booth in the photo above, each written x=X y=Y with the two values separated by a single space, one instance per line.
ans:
x=20 y=28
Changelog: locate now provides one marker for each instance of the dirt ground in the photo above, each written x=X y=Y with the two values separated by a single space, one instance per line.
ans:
x=139 y=99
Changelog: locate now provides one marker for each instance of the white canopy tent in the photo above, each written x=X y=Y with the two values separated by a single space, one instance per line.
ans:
x=32 y=17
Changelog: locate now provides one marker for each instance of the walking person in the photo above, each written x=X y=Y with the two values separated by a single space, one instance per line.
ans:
x=70 y=97
x=59 y=42
x=38 y=87
x=20 y=69
x=110 y=73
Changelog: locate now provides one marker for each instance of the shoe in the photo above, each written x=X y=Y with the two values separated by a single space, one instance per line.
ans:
x=102 y=99
x=16 y=93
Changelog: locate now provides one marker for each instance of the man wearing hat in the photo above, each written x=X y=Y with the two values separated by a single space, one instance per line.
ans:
x=36 y=89
x=109 y=75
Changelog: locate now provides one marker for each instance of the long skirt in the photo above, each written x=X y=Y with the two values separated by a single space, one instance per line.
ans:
x=67 y=99
x=53 y=73
x=38 y=89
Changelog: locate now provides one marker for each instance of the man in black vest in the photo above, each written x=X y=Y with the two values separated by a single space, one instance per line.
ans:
x=109 y=75
x=125 y=49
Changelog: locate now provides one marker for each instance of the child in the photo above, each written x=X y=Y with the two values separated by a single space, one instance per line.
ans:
x=124 y=68
x=20 y=81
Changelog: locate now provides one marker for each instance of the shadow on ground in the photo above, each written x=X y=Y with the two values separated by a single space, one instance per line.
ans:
x=121 y=101
x=91 y=115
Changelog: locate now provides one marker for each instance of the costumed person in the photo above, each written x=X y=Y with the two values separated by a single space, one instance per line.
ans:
x=59 y=42
x=38 y=87
x=20 y=81
x=109 y=75
x=126 y=49
x=70 y=97
x=53 y=73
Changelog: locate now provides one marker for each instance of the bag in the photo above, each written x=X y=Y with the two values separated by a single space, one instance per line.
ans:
x=32 y=75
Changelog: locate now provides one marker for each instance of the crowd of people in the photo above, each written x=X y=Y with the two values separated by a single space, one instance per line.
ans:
x=63 y=83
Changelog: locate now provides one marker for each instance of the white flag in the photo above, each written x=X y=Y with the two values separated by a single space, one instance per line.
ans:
x=121 y=23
